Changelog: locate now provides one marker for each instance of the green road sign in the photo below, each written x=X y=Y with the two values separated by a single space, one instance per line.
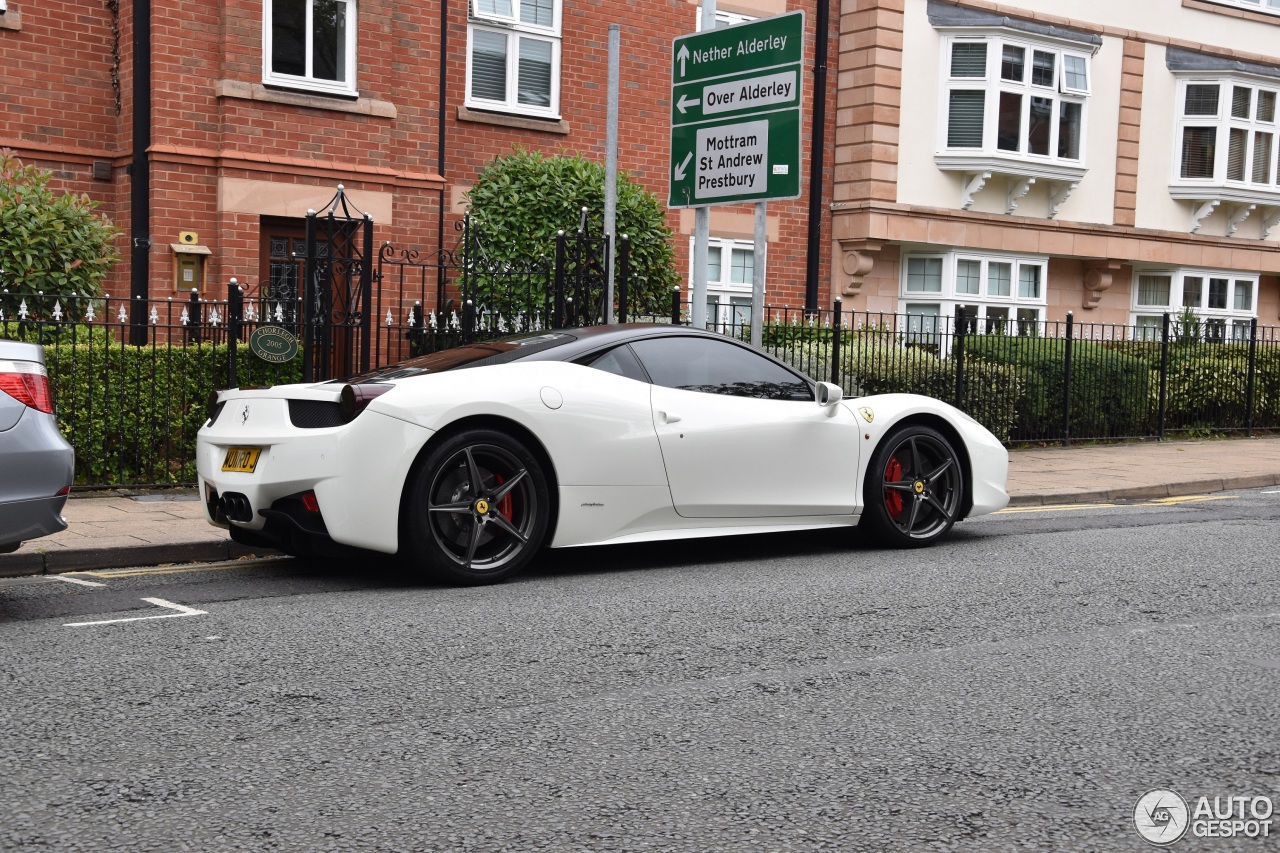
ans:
x=735 y=113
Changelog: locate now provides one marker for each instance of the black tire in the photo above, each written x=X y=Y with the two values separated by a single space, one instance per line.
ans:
x=914 y=488
x=478 y=508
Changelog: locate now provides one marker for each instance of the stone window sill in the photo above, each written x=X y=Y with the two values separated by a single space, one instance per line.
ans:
x=559 y=126
x=258 y=92
x=10 y=20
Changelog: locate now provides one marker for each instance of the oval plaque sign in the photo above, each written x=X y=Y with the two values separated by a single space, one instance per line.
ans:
x=274 y=344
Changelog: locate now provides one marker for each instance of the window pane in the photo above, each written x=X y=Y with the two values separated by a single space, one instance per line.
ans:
x=999 y=276
x=713 y=264
x=288 y=37
x=718 y=367
x=969 y=59
x=1215 y=330
x=494 y=7
x=922 y=322
x=1240 y=330
x=534 y=82
x=1218 y=293
x=968 y=276
x=538 y=12
x=1077 y=77
x=1013 y=64
x=329 y=31
x=1042 y=65
x=488 y=65
x=1241 y=98
x=1039 y=126
x=1235 y=153
x=924 y=275
x=1069 y=130
x=1029 y=282
x=1244 y=296
x=1153 y=290
x=1028 y=321
x=1009 y=130
x=997 y=321
x=1262 y=157
x=1150 y=328
x=1266 y=106
x=1192 y=291
x=742 y=271
x=1202 y=100
x=1198 y=150
x=964 y=122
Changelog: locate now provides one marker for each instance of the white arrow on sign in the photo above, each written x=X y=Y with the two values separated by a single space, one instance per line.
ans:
x=683 y=165
x=683 y=56
x=685 y=102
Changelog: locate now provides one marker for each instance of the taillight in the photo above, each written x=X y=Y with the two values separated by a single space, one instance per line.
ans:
x=309 y=502
x=354 y=399
x=27 y=382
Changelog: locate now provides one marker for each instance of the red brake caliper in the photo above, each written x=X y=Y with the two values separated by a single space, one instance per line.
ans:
x=893 y=497
x=504 y=505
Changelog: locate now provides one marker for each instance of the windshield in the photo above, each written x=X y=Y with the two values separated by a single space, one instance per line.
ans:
x=500 y=351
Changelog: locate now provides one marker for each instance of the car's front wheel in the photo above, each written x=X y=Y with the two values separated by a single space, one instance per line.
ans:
x=478 y=508
x=914 y=488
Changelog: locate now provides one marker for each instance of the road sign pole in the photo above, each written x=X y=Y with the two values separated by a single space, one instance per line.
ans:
x=701 y=219
x=758 y=262
x=611 y=166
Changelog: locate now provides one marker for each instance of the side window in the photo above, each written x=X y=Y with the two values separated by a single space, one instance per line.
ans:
x=619 y=361
x=718 y=367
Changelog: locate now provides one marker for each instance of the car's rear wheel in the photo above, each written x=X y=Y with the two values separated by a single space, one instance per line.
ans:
x=478 y=508
x=914 y=488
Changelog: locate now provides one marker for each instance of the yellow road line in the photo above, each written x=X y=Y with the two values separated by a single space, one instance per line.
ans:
x=177 y=570
x=1172 y=501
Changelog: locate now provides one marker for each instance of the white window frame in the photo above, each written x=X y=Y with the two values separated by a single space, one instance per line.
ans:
x=513 y=29
x=1224 y=122
x=1266 y=7
x=731 y=300
x=1012 y=314
x=1232 y=319
x=723 y=19
x=309 y=82
x=992 y=85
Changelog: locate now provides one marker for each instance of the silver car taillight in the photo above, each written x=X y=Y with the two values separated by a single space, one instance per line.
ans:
x=28 y=383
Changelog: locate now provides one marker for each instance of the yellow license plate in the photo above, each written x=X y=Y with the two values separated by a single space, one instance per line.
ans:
x=242 y=459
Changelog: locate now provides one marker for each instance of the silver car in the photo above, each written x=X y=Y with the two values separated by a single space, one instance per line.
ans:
x=36 y=462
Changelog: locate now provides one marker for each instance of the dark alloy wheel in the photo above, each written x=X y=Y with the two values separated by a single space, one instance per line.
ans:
x=479 y=508
x=914 y=488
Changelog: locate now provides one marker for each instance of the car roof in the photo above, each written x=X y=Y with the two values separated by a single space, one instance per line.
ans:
x=591 y=338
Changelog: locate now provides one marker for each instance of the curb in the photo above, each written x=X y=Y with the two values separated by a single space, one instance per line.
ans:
x=58 y=562
x=1165 y=490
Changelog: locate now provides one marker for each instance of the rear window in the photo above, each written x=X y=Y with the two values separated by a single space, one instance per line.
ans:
x=471 y=355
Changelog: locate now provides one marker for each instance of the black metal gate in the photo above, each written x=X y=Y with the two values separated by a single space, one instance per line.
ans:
x=338 y=281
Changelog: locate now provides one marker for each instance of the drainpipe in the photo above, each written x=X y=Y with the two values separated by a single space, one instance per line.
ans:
x=817 y=148
x=444 y=68
x=140 y=172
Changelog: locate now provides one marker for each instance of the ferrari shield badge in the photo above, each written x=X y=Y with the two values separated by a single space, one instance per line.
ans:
x=867 y=414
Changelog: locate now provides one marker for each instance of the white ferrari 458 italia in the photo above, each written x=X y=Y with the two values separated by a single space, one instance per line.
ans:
x=468 y=461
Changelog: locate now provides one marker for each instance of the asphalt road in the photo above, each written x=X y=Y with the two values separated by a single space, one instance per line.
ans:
x=1019 y=687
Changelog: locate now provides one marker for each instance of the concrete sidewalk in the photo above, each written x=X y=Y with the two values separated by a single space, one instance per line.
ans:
x=121 y=528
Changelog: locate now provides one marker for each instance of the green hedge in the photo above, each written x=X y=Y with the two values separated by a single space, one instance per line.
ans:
x=875 y=364
x=1111 y=388
x=132 y=413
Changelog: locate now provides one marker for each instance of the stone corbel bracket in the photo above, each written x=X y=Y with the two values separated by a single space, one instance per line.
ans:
x=1236 y=214
x=1018 y=189
x=1201 y=209
x=1059 y=192
x=1098 y=278
x=973 y=184
x=857 y=258
x=1270 y=219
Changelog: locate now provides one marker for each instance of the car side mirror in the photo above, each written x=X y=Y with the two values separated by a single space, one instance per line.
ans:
x=829 y=394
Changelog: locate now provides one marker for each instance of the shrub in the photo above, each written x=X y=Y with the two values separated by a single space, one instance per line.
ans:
x=132 y=413
x=49 y=243
x=521 y=200
x=1110 y=388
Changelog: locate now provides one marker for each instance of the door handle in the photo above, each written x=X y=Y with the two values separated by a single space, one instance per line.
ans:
x=668 y=417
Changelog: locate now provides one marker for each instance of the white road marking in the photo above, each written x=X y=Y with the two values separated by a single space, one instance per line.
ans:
x=158 y=602
x=1275 y=492
x=66 y=579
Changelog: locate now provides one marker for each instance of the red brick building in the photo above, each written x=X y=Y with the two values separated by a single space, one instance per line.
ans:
x=260 y=108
